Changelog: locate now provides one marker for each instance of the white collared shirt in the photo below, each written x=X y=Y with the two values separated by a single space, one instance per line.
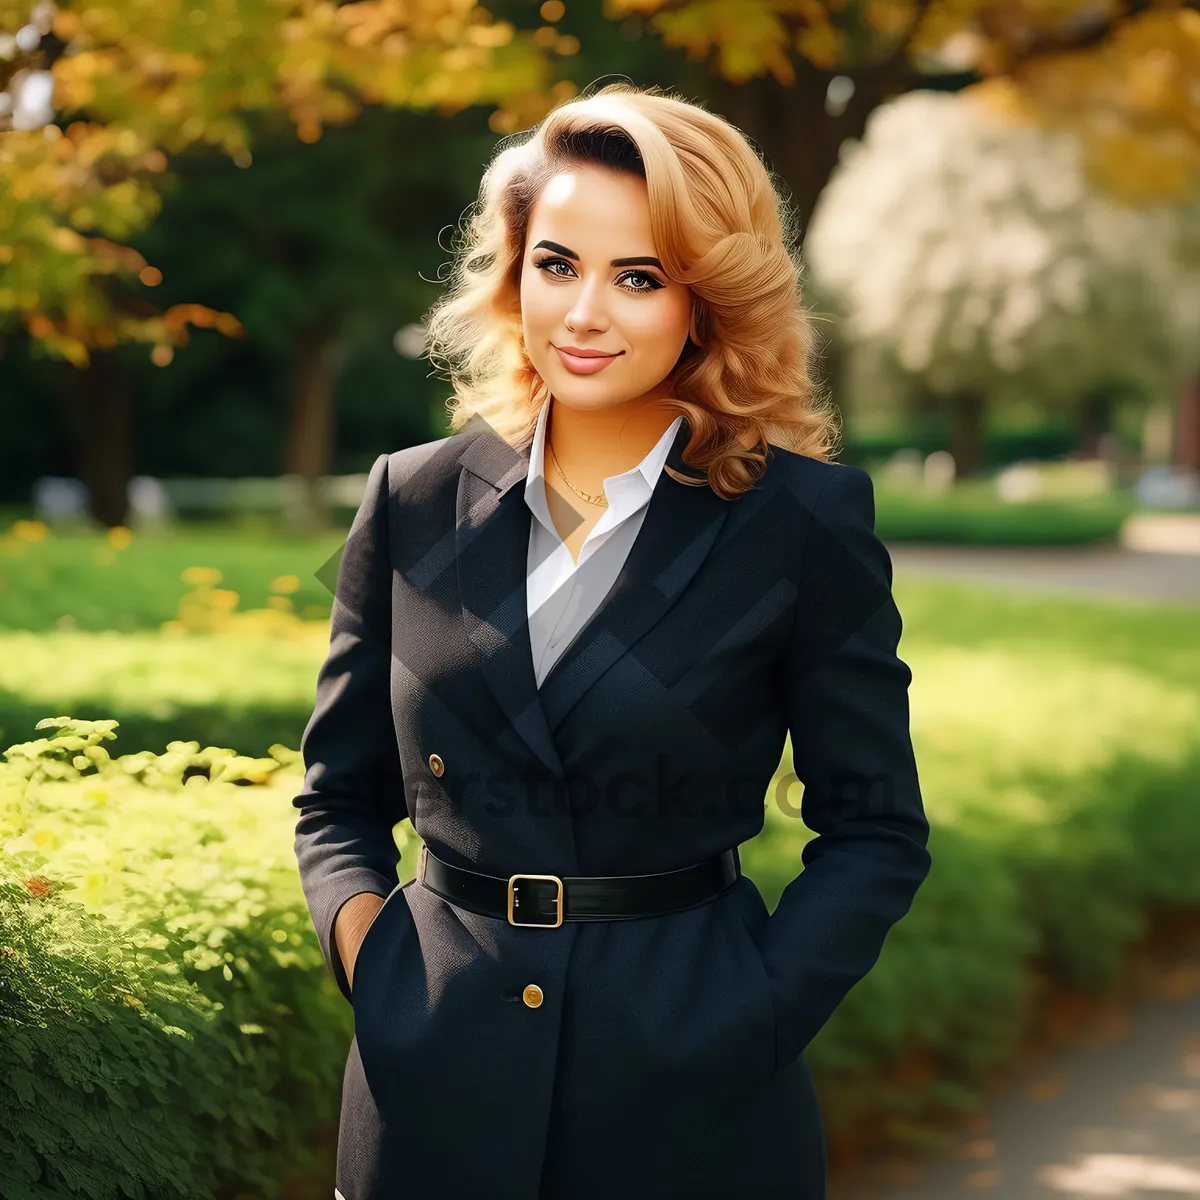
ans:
x=563 y=594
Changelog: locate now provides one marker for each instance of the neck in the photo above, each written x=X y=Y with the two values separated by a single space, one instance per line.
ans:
x=593 y=444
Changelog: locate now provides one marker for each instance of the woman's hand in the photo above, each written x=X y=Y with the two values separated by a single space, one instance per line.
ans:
x=353 y=920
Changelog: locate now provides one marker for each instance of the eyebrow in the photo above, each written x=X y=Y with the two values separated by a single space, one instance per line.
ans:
x=616 y=262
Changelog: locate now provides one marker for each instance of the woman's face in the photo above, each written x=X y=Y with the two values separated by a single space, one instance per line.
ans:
x=591 y=280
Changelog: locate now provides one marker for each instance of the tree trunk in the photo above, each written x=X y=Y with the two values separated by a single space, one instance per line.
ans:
x=1097 y=421
x=309 y=451
x=1187 y=426
x=800 y=139
x=967 y=437
x=99 y=420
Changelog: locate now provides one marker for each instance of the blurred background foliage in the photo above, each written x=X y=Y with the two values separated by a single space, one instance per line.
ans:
x=226 y=220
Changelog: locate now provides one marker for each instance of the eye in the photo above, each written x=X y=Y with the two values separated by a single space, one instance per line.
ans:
x=545 y=263
x=651 y=284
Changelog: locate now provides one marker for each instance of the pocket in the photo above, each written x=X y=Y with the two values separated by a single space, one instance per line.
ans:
x=766 y=996
x=363 y=957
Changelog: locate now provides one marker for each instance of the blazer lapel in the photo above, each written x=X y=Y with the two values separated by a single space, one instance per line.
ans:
x=492 y=527
x=680 y=528
x=491 y=551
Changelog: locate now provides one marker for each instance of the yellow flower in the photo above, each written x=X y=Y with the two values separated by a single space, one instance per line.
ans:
x=29 y=531
x=285 y=584
x=95 y=888
x=119 y=537
x=201 y=575
x=44 y=838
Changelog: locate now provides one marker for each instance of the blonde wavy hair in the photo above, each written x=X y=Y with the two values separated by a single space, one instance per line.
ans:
x=747 y=376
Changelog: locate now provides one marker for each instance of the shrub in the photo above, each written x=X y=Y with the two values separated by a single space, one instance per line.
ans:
x=170 y=1026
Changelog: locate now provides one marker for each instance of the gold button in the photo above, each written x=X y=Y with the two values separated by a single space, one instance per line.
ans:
x=436 y=765
x=532 y=995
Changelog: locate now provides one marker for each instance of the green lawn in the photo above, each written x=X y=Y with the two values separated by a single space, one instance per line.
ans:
x=80 y=581
x=91 y=582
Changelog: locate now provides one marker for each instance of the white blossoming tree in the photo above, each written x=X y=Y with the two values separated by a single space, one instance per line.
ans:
x=964 y=248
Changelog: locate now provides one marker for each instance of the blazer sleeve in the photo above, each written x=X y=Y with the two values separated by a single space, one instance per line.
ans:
x=848 y=716
x=353 y=786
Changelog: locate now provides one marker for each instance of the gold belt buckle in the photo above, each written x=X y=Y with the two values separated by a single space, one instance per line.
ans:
x=512 y=902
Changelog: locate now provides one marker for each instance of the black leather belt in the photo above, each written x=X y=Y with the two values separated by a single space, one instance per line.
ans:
x=546 y=901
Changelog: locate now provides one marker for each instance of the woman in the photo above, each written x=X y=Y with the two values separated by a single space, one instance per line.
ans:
x=569 y=641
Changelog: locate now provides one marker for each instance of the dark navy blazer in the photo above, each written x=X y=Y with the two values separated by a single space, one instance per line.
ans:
x=665 y=1057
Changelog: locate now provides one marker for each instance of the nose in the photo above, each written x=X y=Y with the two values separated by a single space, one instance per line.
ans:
x=587 y=308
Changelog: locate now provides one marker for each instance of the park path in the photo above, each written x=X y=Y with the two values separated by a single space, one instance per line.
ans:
x=1115 y=571
x=1116 y=1115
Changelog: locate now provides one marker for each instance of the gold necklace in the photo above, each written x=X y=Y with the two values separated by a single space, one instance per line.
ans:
x=602 y=501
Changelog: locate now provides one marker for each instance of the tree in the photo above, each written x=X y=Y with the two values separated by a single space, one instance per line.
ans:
x=146 y=81
x=139 y=86
x=973 y=254
x=803 y=75
x=137 y=83
x=317 y=273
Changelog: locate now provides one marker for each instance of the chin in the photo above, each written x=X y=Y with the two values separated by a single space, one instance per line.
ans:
x=586 y=391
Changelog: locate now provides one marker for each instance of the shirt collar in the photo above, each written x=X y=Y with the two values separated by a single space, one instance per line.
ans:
x=630 y=490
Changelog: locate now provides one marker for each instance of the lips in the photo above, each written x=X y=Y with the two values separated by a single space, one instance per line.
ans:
x=584 y=362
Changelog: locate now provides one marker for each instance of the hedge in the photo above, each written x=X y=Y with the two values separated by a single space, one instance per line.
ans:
x=170 y=1029
x=971 y=514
